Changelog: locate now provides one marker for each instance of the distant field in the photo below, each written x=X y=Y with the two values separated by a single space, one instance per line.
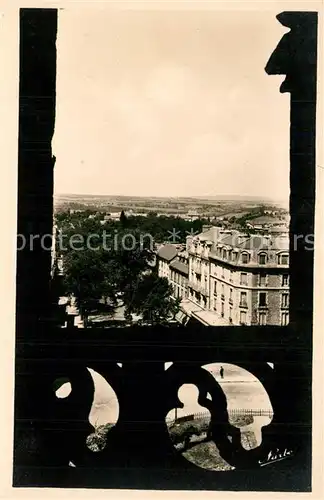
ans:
x=205 y=207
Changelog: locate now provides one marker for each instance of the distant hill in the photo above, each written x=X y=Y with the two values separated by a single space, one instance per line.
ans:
x=181 y=203
x=234 y=198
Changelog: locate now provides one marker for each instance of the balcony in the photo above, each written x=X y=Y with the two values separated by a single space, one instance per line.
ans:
x=222 y=296
x=51 y=433
x=230 y=301
x=198 y=288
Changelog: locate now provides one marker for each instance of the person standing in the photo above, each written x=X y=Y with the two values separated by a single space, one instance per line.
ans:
x=221 y=372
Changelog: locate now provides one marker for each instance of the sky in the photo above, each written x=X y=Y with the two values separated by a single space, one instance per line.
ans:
x=170 y=103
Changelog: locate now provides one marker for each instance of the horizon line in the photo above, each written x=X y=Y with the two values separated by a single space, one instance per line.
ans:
x=203 y=196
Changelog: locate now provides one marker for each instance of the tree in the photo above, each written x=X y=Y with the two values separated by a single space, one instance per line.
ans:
x=123 y=269
x=152 y=300
x=84 y=278
x=123 y=219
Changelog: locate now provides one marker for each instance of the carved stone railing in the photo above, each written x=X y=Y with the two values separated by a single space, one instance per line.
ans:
x=51 y=433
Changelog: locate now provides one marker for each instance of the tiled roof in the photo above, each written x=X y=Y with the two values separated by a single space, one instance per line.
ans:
x=168 y=252
x=180 y=266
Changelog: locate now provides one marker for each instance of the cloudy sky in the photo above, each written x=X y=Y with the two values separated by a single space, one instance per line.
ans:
x=170 y=103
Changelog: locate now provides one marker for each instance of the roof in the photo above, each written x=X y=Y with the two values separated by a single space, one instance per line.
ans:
x=266 y=219
x=230 y=239
x=180 y=266
x=182 y=317
x=209 y=235
x=280 y=243
x=209 y=318
x=168 y=252
x=255 y=242
x=279 y=240
x=278 y=230
x=187 y=306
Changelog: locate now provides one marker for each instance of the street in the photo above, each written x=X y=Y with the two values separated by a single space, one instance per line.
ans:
x=241 y=388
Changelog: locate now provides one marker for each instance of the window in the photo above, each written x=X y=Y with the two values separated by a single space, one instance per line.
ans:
x=262 y=318
x=215 y=287
x=284 y=318
x=223 y=291
x=230 y=314
x=262 y=279
x=224 y=254
x=222 y=306
x=262 y=259
x=245 y=258
x=261 y=343
x=244 y=280
x=285 y=280
x=285 y=300
x=231 y=276
x=243 y=301
x=283 y=259
x=243 y=318
x=231 y=295
x=262 y=299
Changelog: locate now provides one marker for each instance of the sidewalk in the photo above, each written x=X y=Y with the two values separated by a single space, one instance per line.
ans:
x=232 y=373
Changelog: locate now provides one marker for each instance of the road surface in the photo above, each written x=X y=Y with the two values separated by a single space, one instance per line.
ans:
x=240 y=387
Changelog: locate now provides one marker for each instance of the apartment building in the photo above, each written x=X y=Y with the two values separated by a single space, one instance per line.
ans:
x=242 y=280
x=179 y=272
x=165 y=255
x=233 y=279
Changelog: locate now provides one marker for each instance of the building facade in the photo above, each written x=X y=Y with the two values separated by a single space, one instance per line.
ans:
x=234 y=279
x=165 y=255
x=179 y=273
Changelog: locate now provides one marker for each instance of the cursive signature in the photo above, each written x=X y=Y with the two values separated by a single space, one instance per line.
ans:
x=275 y=456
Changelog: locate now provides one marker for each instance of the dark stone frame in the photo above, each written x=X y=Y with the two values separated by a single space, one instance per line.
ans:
x=48 y=435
